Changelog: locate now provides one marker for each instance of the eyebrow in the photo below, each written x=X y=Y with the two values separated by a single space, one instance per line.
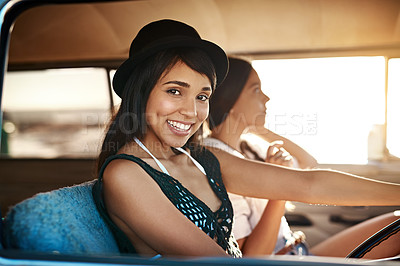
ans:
x=255 y=84
x=180 y=83
x=185 y=85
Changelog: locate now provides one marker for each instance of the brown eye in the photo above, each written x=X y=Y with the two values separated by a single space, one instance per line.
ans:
x=203 y=98
x=173 y=92
x=257 y=90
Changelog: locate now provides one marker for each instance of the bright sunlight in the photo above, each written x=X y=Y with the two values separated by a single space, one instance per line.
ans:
x=330 y=106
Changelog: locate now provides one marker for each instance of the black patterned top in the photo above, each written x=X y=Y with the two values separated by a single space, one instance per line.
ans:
x=217 y=225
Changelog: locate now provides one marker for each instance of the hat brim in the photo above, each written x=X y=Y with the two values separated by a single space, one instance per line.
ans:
x=216 y=54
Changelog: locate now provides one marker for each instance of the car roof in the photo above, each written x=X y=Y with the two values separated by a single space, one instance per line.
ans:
x=99 y=33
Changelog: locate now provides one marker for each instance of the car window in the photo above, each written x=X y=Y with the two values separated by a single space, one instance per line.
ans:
x=333 y=107
x=393 y=116
x=55 y=113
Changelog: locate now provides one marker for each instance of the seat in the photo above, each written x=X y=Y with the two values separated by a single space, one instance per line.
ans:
x=63 y=221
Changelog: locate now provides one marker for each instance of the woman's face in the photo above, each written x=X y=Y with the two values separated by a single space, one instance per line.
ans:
x=177 y=105
x=250 y=106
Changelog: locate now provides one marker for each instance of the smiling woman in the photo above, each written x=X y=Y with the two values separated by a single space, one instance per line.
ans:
x=167 y=114
x=173 y=204
x=180 y=97
x=166 y=96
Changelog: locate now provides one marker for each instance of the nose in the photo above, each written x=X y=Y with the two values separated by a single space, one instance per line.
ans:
x=266 y=99
x=189 y=108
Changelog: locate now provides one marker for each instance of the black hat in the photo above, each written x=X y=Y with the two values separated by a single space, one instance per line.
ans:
x=163 y=34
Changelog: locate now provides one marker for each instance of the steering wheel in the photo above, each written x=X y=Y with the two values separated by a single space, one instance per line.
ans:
x=375 y=240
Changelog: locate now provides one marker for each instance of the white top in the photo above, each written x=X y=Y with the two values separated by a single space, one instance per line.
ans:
x=248 y=211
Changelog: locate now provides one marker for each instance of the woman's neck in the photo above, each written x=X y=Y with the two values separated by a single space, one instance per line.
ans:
x=155 y=147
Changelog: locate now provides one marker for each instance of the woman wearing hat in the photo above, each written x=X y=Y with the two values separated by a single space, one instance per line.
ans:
x=159 y=190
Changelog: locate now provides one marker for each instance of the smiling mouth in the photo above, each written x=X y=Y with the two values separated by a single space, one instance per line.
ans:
x=179 y=126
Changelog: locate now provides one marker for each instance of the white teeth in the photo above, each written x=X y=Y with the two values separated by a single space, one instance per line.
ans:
x=178 y=125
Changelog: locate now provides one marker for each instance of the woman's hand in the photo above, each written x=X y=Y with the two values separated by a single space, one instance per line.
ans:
x=276 y=154
x=303 y=158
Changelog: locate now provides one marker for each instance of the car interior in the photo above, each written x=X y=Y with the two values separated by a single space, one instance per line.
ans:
x=330 y=68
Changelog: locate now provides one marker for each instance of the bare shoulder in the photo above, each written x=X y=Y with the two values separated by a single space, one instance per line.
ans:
x=126 y=183
x=121 y=171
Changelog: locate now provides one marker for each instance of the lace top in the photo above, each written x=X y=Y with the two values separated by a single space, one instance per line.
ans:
x=217 y=225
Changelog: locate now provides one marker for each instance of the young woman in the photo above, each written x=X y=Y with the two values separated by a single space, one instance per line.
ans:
x=237 y=107
x=160 y=191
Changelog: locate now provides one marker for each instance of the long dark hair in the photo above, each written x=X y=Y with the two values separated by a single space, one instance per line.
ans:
x=223 y=99
x=130 y=120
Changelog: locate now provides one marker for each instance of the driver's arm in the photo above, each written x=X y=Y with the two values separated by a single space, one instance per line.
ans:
x=310 y=186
